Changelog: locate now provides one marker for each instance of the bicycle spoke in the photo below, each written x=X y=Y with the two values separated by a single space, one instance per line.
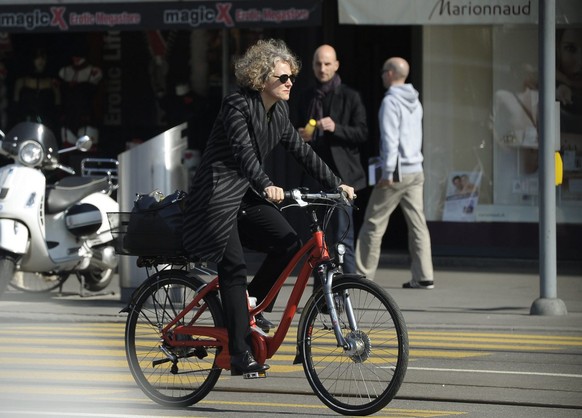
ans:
x=366 y=376
x=171 y=375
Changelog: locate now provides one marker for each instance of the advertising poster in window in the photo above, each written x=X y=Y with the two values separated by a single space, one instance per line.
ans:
x=462 y=196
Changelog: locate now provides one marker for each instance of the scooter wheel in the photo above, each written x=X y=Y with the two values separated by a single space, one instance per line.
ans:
x=97 y=279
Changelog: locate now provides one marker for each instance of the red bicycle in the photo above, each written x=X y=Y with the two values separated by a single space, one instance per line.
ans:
x=351 y=339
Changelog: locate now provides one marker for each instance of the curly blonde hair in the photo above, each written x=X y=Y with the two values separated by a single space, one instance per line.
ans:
x=254 y=68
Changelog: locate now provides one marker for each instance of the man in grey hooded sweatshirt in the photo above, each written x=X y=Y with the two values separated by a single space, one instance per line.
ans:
x=402 y=180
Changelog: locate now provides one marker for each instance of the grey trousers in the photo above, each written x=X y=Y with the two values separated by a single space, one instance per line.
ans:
x=383 y=201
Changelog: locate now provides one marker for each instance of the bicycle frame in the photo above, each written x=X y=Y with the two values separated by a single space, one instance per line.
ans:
x=358 y=376
x=264 y=346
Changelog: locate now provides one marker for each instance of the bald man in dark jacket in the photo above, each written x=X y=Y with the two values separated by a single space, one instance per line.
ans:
x=341 y=130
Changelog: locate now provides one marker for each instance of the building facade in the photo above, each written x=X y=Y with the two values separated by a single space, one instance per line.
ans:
x=127 y=71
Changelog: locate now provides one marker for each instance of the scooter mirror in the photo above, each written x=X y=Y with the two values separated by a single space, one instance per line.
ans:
x=84 y=143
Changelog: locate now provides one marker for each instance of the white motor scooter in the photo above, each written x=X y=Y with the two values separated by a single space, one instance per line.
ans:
x=52 y=230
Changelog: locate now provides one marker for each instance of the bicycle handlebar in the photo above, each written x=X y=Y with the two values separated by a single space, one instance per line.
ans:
x=299 y=196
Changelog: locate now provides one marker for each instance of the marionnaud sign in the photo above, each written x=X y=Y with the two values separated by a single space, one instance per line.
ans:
x=451 y=12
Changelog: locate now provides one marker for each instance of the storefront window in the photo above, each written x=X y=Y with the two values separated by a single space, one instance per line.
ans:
x=119 y=87
x=480 y=93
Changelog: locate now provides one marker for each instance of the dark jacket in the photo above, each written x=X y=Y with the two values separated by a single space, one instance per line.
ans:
x=345 y=107
x=232 y=161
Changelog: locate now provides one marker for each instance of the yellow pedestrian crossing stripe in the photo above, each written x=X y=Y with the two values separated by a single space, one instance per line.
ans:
x=488 y=337
x=113 y=395
x=87 y=359
x=102 y=345
x=112 y=335
x=68 y=376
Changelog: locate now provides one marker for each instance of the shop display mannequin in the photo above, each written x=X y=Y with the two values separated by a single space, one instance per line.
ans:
x=36 y=94
x=516 y=119
x=80 y=80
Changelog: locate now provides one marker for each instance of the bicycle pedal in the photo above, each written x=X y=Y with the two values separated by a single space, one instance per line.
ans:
x=256 y=329
x=255 y=375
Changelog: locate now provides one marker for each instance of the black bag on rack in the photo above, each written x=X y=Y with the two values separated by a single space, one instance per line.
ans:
x=155 y=225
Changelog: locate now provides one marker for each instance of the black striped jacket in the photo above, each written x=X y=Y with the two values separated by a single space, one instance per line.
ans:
x=241 y=138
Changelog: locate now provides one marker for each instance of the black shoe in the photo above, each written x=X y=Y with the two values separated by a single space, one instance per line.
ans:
x=245 y=363
x=423 y=284
x=263 y=323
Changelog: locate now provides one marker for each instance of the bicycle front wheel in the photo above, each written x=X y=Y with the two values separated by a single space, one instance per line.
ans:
x=365 y=377
x=171 y=376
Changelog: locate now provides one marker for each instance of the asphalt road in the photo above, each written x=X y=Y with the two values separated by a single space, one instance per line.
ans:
x=474 y=351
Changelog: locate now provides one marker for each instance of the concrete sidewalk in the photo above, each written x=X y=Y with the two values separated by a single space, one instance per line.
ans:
x=482 y=299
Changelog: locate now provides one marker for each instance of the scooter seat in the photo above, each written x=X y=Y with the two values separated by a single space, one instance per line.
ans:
x=70 y=190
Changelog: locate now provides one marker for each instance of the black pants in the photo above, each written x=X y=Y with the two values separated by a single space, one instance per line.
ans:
x=260 y=227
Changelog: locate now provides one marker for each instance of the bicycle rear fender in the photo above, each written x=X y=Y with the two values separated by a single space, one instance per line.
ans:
x=157 y=276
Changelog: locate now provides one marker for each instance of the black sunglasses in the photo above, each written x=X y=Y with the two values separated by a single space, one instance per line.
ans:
x=284 y=77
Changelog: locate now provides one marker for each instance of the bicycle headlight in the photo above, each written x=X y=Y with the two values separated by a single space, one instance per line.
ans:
x=340 y=251
x=30 y=153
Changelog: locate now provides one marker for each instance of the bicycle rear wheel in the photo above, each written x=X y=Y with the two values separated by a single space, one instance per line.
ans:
x=365 y=378
x=171 y=376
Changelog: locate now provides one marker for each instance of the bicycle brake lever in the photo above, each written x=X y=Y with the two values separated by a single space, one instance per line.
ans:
x=296 y=195
x=345 y=199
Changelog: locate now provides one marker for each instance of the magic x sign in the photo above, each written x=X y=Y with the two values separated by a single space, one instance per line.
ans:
x=159 y=15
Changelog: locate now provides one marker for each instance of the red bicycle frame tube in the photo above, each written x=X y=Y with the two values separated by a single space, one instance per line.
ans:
x=264 y=347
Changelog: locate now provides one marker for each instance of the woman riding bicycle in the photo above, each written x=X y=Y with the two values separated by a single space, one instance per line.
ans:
x=225 y=208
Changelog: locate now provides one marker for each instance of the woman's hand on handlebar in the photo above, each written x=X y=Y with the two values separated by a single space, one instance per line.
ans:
x=349 y=191
x=274 y=194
